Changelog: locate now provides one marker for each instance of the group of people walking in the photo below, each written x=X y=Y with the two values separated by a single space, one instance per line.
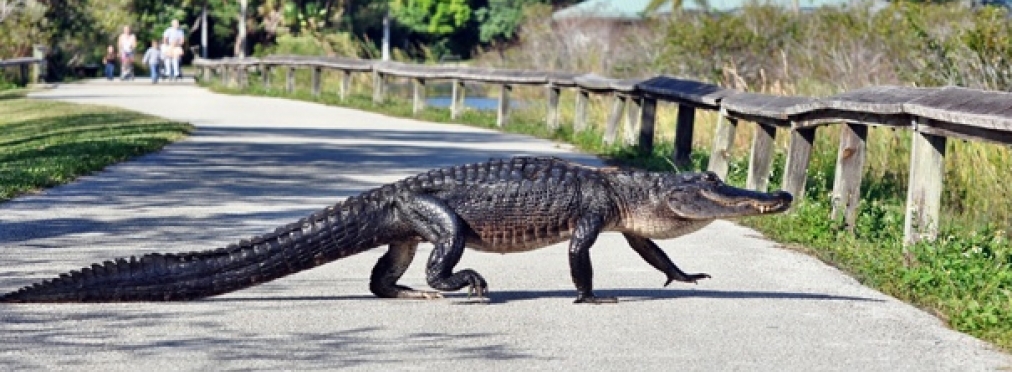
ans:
x=161 y=58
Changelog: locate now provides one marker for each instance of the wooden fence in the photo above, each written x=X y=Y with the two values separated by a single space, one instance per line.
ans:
x=30 y=68
x=932 y=114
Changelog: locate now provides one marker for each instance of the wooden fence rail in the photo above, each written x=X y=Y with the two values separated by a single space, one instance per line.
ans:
x=30 y=69
x=932 y=114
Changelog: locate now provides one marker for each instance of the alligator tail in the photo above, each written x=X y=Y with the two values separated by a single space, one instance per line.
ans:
x=323 y=237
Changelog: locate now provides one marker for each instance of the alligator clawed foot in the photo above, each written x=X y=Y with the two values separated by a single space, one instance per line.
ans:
x=477 y=293
x=406 y=292
x=423 y=295
x=687 y=278
x=596 y=299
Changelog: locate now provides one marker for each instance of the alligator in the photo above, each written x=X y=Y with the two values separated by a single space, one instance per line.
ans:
x=502 y=206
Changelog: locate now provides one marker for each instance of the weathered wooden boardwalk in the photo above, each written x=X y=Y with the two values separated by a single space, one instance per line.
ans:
x=256 y=163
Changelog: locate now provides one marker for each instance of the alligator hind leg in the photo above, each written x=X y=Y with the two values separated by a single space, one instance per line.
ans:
x=390 y=268
x=441 y=226
x=659 y=260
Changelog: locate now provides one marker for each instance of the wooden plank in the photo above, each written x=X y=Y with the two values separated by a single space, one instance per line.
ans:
x=849 y=171
x=924 y=193
x=378 y=87
x=554 y=91
x=316 y=81
x=723 y=141
x=966 y=107
x=457 y=104
x=614 y=115
x=418 y=97
x=503 y=110
x=345 y=84
x=633 y=108
x=693 y=93
x=582 y=101
x=682 y=154
x=798 y=155
x=648 y=117
x=290 y=80
x=761 y=158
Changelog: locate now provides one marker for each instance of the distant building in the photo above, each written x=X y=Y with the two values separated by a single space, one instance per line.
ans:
x=635 y=10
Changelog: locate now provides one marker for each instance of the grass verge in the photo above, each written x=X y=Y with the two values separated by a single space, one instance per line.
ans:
x=47 y=143
x=964 y=278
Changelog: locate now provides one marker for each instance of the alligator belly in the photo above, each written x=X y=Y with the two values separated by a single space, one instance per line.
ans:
x=507 y=244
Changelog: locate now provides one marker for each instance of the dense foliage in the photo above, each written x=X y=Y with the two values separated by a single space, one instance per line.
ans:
x=76 y=32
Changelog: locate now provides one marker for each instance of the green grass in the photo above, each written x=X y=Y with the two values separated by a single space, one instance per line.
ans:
x=46 y=143
x=965 y=277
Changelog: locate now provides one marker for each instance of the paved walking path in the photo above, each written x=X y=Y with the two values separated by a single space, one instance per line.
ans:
x=256 y=163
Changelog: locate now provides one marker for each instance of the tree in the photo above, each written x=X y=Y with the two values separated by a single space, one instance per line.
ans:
x=433 y=17
x=500 y=20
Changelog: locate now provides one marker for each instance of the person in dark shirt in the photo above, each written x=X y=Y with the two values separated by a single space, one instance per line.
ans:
x=109 y=61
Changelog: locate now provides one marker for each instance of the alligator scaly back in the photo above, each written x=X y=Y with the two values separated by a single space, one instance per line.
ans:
x=323 y=237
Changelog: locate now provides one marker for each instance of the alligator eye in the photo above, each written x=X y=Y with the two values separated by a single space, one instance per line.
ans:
x=710 y=176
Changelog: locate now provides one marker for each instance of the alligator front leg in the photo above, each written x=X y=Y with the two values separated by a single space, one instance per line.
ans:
x=390 y=268
x=584 y=236
x=659 y=260
x=436 y=222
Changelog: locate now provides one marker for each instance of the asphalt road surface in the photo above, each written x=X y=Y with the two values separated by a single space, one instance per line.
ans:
x=256 y=163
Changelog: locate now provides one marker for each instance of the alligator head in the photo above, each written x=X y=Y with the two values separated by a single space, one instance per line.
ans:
x=703 y=196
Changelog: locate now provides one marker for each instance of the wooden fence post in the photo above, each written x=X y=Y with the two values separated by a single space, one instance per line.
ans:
x=457 y=99
x=849 y=171
x=39 y=68
x=633 y=111
x=798 y=155
x=723 y=142
x=290 y=80
x=243 y=76
x=648 y=117
x=761 y=158
x=554 y=92
x=580 y=120
x=502 y=112
x=24 y=74
x=317 y=71
x=611 y=128
x=266 y=71
x=418 y=96
x=379 y=88
x=682 y=154
x=345 y=84
x=924 y=192
x=224 y=75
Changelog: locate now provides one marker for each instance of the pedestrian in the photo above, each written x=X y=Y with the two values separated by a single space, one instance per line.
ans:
x=166 y=52
x=174 y=37
x=127 y=42
x=152 y=58
x=109 y=61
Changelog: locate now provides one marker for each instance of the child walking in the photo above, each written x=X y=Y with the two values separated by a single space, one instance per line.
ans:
x=152 y=58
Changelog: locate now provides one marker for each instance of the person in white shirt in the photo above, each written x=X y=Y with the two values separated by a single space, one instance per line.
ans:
x=174 y=38
x=127 y=42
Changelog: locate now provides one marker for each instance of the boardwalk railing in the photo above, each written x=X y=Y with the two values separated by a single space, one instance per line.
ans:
x=25 y=65
x=932 y=114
